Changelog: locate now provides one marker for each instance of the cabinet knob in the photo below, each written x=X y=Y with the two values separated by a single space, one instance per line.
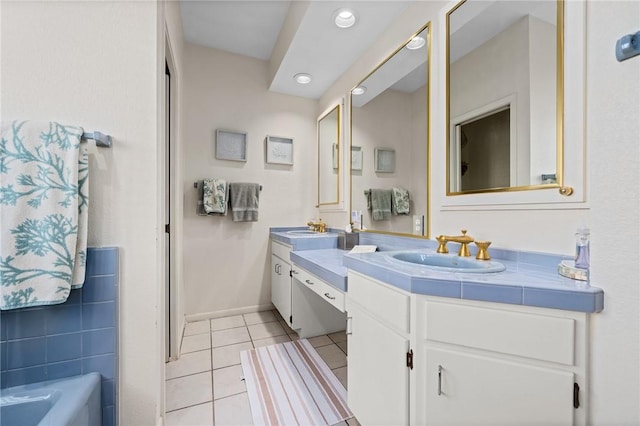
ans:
x=439 y=380
x=328 y=296
x=308 y=282
x=294 y=272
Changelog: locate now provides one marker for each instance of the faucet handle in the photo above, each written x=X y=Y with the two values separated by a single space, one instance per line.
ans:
x=483 y=253
x=442 y=244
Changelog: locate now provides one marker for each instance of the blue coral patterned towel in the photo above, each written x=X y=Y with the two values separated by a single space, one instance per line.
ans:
x=215 y=196
x=44 y=212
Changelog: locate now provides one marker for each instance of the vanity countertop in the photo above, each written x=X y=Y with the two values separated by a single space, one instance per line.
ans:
x=519 y=284
x=326 y=264
x=323 y=240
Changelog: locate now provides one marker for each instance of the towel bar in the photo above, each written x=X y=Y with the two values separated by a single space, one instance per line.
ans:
x=196 y=183
x=101 y=139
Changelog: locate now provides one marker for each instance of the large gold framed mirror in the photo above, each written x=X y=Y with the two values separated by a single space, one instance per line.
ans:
x=504 y=84
x=390 y=142
x=329 y=147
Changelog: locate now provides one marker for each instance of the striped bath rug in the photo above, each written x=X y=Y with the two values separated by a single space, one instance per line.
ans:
x=289 y=384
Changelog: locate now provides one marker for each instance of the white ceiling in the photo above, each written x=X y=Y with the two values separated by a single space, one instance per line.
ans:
x=316 y=46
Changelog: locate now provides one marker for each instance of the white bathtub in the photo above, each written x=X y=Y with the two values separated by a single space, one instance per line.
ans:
x=73 y=401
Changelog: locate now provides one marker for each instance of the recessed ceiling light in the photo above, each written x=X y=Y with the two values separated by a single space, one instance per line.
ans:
x=302 y=78
x=344 y=18
x=359 y=90
x=416 y=43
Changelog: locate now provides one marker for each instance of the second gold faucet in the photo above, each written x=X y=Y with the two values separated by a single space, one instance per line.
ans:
x=464 y=240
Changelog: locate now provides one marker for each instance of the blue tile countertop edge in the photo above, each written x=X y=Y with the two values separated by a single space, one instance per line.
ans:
x=327 y=264
x=520 y=284
x=530 y=278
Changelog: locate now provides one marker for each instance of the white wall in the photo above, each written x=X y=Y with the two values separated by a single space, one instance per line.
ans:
x=94 y=64
x=226 y=264
x=613 y=108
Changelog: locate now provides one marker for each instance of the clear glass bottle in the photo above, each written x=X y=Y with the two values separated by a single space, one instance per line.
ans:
x=582 y=248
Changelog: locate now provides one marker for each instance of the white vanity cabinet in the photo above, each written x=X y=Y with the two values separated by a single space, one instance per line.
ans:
x=281 y=279
x=378 y=338
x=496 y=364
x=474 y=363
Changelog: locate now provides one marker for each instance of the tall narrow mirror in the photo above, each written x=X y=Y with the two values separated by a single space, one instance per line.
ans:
x=390 y=140
x=329 y=158
x=504 y=95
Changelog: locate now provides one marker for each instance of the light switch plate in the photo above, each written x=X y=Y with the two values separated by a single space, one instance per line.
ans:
x=418 y=224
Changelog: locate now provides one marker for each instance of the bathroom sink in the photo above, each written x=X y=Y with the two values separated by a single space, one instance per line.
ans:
x=302 y=232
x=449 y=262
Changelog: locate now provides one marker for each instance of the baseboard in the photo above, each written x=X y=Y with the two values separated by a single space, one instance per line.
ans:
x=228 y=312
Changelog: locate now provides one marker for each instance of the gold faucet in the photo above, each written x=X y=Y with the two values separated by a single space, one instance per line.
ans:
x=319 y=226
x=463 y=239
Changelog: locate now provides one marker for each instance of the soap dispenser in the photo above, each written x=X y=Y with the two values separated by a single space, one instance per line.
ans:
x=582 y=248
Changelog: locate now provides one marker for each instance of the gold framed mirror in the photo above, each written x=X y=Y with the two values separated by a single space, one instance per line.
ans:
x=390 y=128
x=504 y=93
x=329 y=158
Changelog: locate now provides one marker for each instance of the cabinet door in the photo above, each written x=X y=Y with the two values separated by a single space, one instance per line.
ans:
x=378 y=377
x=281 y=286
x=481 y=390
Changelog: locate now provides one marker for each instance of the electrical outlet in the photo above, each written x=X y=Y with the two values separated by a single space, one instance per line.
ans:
x=418 y=224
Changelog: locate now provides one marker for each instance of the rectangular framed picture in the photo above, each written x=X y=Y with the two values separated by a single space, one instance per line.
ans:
x=385 y=160
x=356 y=158
x=279 y=150
x=231 y=145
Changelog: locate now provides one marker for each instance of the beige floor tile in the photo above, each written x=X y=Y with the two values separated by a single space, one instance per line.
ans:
x=197 y=342
x=343 y=346
x=226 y=356
x=189 y=363
x=259 y=317
x=286 y=326
x=294 y=336
x=271 y=341
x=187 y=391
x=228 y=381
x=341 y=374
x=340 y=336
x=262 y=331
x=333 y=356
x=318 y=341
x=227 y=322
x=197 y=327
x=198 y=415
x=230 y=336
x=233 y=411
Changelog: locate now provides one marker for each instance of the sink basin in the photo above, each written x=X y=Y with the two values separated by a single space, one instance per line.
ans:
x=302 y=232
x=449 y=262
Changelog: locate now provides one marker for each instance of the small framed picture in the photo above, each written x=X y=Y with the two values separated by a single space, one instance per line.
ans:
x=385 y=160
x=231 y=145
x=278 y=150
x=356 y=158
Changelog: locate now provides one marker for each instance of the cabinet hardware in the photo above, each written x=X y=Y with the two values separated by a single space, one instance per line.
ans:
x=439 y=380
x=410 y=359
x=308 y=282
x=290 y=319
x=576 y=395
x=349 y=331
x=293 y=271
x=328 y=296
x=278 y=268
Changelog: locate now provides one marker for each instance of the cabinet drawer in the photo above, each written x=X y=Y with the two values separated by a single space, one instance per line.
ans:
x=329 y=293
x=388 y=304
x=280 y=250
x=541 y=337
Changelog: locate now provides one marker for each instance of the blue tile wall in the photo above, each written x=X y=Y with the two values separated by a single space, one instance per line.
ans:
x=76 y=337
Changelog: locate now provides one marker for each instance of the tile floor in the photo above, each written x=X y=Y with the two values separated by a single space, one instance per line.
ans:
x=204 y=387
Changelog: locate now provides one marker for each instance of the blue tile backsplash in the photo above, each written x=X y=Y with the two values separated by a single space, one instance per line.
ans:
x=76 y=337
